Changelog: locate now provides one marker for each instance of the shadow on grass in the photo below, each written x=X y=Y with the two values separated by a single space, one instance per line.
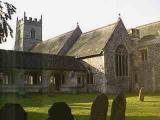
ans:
x=146 y=94
x=81 y=117
x=36 y=116
x=86 y=117
x=35 y=100
x=142 y=118
x=42 y=116
x=152 y=101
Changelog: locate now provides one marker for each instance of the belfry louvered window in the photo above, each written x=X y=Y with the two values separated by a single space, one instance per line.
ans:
x=121 y=61
x=33 y=34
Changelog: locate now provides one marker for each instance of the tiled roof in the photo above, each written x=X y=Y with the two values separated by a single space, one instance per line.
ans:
x=92 y=42
x=28 y=60
x=53 y=45
x=149 y=29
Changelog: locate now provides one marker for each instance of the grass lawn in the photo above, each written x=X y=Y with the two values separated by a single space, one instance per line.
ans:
x=37 y=105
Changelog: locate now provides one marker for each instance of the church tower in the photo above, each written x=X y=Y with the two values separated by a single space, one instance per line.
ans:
x=28 y=33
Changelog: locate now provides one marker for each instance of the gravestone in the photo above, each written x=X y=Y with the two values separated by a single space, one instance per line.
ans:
x=51 y=89
x=12 y=111
x=141 y=94
x=99 y=108
x=118 y=107
x=60 y=111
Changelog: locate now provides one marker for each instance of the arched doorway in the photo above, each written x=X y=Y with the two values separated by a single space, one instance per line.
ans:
x=58 y=79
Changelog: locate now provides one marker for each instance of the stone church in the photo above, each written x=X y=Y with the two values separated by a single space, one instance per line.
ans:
x=107 y=59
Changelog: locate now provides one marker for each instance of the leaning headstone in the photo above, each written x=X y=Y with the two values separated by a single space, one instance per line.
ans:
x=99 y=108
x=141 y=94
x=51 y=89
x=60 y=111
x=12 y=111
x=118 y=107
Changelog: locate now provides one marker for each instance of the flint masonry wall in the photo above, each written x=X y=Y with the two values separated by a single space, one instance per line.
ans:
x=24 y=42
x=148 y=71
x=119 y=37
x=28 y=26
x=96 y=64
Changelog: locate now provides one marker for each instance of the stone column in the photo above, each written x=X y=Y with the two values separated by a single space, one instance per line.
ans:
x=45 y=80
x=19 y=80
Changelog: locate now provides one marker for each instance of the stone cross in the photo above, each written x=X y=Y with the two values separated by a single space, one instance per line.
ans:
x=60 y=111
x=118 y=107
x=99 y=108
x=12 y=111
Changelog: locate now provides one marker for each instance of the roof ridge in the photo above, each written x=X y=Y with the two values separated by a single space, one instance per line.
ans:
x=58 y=36
x=43 y=42
x=100 y=28
x=144 y=25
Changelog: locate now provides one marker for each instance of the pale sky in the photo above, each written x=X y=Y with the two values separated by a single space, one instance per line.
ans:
x=60 y=16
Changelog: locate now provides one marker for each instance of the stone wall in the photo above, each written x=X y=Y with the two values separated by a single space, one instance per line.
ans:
x=28 y=42
x=19 y=85
x=28 y=26
x=96 y=64
x=19 y=35
x=71 y=82
x=148 y=71
x=119 y=37
x=23 y=35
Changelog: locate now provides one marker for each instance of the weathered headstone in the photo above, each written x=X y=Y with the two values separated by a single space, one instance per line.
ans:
x=60 y=111
x=99 y=108
x=12 y=111
x=141 y=94
x=51 y=89
x=118 y=107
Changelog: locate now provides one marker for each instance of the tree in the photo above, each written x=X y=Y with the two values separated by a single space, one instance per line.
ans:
x=6 y=12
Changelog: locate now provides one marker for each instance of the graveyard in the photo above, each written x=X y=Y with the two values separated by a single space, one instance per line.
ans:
x=37 y=106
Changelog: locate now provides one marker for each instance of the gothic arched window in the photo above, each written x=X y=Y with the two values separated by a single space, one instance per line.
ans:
x=33 y=34
x=121 y=61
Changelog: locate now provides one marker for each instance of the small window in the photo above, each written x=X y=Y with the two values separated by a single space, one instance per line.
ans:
x=33 y=34
x=79 y=80
x=33 y=79
x=144 y=54
x=52 y=79
x=4 y=79
x=90 y=77
x=40 y=79
x=28 y=79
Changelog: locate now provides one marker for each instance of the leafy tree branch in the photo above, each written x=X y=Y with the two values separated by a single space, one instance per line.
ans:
x=6 y=12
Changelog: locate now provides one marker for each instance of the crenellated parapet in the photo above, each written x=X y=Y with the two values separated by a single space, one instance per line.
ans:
x=29 y=20
x=28 y=33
